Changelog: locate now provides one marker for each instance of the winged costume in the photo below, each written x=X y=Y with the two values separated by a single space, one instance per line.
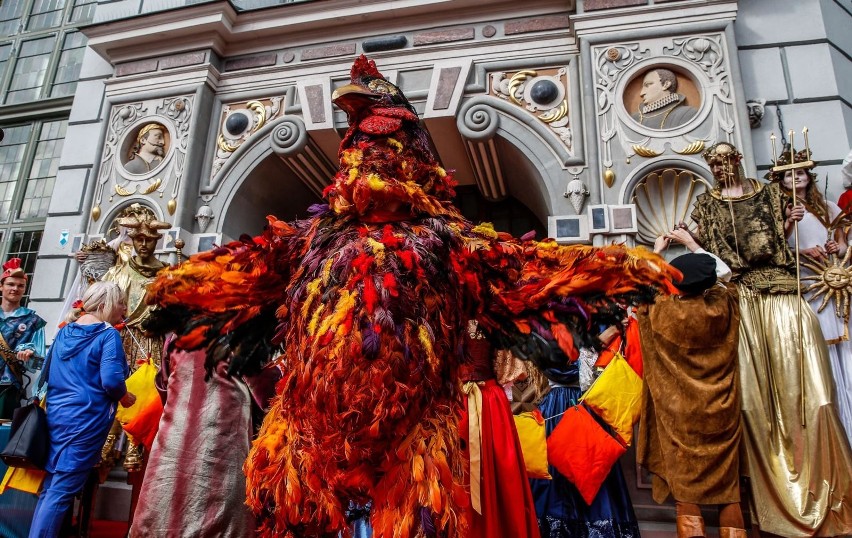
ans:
x=367 y=302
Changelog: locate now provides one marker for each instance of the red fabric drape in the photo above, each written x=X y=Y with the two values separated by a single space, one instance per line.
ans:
x=507 y=504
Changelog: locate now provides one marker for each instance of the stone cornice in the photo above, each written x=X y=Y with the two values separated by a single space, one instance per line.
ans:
x=589 y=25
x=228 y=32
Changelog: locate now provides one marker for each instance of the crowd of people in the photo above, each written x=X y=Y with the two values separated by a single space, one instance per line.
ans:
x=741 y=378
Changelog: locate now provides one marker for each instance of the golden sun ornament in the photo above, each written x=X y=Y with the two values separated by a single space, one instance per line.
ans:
x=832 y=280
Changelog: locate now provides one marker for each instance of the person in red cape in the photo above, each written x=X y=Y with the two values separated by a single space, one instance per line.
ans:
x=501 y=500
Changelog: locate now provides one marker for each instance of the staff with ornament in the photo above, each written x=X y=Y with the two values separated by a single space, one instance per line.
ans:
x=797 y=454
x=824 y=266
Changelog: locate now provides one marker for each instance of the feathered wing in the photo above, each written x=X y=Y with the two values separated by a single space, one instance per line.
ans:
x=227 y=299
x=537 y=292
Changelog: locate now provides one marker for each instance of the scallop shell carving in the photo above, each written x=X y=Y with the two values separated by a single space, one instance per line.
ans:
x=664 y=198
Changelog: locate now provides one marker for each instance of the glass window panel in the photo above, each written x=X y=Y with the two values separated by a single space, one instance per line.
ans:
x=43 y=170
x=10 y=17
x=5 y=50
x=69 y=65
x=24 y=244
x=46 y=14
x=84 y=11
x=30 y=70
x=11 y=158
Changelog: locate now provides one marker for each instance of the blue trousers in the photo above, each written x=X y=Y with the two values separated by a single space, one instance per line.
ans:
x=56 y=498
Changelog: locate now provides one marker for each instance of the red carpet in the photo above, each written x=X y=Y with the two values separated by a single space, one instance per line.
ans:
x=102 y=528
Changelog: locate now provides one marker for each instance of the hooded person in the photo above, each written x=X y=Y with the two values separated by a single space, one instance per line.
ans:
x=86 y=370
x=689 y=346
x=21 y=337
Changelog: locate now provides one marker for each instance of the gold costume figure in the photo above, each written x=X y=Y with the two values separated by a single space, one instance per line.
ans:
x=801 y=475
x=133 y=277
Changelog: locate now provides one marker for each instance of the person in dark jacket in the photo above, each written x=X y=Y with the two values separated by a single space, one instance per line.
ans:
x=87 y=370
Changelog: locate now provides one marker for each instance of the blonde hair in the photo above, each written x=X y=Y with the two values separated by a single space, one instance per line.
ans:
x=104 y=296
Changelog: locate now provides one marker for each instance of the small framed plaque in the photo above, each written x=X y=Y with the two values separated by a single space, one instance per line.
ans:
x=622 y=219
x=568 y=228
x=598 y=219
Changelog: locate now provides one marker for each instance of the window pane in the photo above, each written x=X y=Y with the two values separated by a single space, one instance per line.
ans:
x=11 y=156
x=5 y=50
x=46 y=14
x=84 y=11
x=24 y=245
x=70 y=62
x=10 y=17
x=43 y=171
x=30 y=70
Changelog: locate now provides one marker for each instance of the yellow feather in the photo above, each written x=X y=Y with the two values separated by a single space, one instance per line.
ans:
x=312 y=326
x=326 y=271
x=313 y=291
x=395 y=143
x=375 y=182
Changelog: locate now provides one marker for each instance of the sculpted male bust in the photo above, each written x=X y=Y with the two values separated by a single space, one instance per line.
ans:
x=662 y=107
x=148 y=151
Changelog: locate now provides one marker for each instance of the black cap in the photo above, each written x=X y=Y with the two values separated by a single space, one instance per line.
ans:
x=699 y=272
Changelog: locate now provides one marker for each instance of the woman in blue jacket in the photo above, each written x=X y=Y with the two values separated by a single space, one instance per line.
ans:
x=87 y=370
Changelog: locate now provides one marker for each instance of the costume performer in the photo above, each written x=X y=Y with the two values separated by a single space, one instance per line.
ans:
x=21 y=337
x=801 y=475
x=562 y=511
x=368 y=296
x=500 y=491
x=183 y=494
x=690 y=427
x=820 y=235
x=133 y=277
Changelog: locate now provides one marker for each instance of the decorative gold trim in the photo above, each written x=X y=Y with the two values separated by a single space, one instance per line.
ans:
x=121 y=191
x=224 y=145
x=555 y=114
x=609 y=177
x=516 y=81
x=258 y=108
x=171 y=205
x=96 y=213
x=644 y=151
x=153 y=186
x=692 y=149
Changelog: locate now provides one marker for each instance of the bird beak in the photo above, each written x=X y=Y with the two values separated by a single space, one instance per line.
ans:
x=352 y=97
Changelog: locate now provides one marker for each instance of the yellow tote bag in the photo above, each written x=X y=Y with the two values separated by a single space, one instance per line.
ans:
x=142 y=419
x=617 y=397
x=530 y=426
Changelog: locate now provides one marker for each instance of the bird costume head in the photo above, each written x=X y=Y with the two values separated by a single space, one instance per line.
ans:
x=389 y=169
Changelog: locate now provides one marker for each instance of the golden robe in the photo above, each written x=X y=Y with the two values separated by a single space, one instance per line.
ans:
x=134 y=278
x=798 y=458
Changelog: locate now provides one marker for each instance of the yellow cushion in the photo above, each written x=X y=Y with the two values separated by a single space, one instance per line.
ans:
x=530 y=426
x=617 y=397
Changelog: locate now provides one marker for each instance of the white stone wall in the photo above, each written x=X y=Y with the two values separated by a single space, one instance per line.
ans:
x=796 y=55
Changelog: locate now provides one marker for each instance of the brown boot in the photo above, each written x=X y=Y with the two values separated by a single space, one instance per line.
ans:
x=732 y=532
x=690 y=527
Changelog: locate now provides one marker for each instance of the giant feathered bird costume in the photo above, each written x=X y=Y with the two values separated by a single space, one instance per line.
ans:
x=367 y=302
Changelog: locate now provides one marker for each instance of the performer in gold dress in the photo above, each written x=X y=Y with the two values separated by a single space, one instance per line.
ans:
x=797 y=455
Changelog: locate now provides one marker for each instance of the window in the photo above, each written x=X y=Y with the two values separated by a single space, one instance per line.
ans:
x=43 y=171
x=30 y=70
x=46 y=14
x=12 y=152
x=23 y=244
x=83 y=11
x=70 y=61
x=10 y=17
x=40 y=50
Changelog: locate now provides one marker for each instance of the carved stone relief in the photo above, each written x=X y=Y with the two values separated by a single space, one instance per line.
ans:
x=144 y=153
x=239 y=122
x=542 y=92
x=640 y=115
